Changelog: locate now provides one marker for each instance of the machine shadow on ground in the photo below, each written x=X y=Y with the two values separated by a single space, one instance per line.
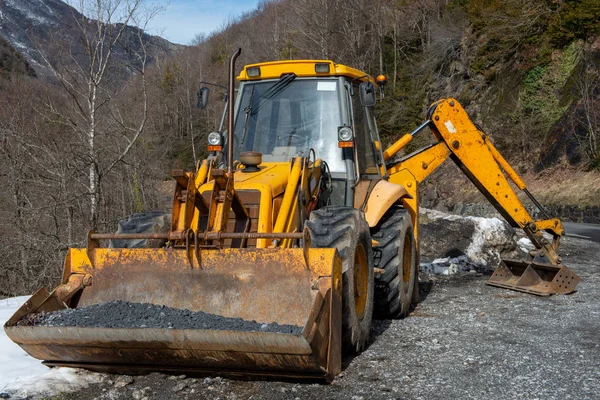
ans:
x=379 y=326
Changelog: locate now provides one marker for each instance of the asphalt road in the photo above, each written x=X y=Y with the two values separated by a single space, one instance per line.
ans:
x=583 y=231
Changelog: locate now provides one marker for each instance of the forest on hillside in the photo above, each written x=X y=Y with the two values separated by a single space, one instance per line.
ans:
x=90 y=140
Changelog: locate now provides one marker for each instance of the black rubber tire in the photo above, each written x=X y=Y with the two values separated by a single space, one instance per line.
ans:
x=394 y=296
x=346 y=229
x=148 y=222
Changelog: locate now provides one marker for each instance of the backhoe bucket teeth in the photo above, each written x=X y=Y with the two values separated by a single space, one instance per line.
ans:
x=287 y=286
x=535 y=278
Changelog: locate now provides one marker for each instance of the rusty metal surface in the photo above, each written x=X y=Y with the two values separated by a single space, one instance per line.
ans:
x=215 y=350
x=202 y=235
x=205 y=352
x=238 y=374
x=249 y=235
x=266 y=285
x=262 y=285
x=75 y=283
x=31 y=305
x=534 y=278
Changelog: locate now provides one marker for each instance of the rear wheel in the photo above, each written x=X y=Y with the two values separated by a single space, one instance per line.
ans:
x=346 y=229
x=396 y=286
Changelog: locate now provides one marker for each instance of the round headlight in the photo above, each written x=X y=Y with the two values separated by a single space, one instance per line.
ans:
x=214 y=138
x=345 y=134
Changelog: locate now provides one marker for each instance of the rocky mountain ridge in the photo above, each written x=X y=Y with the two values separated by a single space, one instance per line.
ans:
x=37 y=27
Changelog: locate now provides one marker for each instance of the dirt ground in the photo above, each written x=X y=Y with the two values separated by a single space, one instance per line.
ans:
x=465 y=340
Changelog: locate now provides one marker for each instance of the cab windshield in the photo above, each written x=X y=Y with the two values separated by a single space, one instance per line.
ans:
x=287 y=118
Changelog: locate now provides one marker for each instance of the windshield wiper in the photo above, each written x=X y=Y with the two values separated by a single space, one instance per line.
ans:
x=269 y=94
x=247 y=110
x=274 y=90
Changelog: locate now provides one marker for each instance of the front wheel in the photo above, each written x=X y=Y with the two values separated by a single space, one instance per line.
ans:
x=396 y=288
x=346 y=229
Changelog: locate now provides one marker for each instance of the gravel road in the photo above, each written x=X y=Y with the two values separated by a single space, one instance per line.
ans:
x=465 y=340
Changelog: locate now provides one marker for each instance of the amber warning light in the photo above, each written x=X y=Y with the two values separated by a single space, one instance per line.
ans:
x=381 y=80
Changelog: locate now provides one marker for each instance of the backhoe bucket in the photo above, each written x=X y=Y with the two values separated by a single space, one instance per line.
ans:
x=300 y=287
x=535 y=278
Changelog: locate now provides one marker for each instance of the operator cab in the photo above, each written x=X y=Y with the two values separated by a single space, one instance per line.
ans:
x=288 y=109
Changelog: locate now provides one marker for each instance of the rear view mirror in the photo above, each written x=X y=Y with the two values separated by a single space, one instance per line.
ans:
x=367 y=94
x=202 y=98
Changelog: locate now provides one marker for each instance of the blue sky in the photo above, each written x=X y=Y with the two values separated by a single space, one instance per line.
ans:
x=183 y=19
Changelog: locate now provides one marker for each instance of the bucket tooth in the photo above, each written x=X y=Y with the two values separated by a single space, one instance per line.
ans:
x=529 y=278
x=535 y=278
x=502 y=276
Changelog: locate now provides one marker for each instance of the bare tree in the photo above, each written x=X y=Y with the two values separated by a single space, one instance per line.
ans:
x=36 y=197
x=586 y=125
x=94 y=80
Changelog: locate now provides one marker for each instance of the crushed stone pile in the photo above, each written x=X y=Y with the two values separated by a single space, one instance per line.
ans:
x=451 y=266
x=122 y=314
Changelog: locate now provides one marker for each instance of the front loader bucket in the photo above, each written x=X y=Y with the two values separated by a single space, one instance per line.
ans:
x=535 y=278
x=287 y=286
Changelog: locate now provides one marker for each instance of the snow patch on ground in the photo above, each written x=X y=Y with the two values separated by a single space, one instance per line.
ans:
x=525 y=244
x=22 y=376
x=490 y=236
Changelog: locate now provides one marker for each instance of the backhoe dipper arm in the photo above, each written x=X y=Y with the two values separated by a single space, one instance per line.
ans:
x=460 y=139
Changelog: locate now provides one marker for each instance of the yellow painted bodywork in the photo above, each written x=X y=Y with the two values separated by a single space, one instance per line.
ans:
x=550 y=225
x=275 y=282
x=422 y=164
x=397 y=146
x=406 y=180
x=383 y=195
x=278 y=185
x=82 y=261
x=283 y=222
x=302 y=68
x=478 y=158
x=271 y=182
x=473 y=150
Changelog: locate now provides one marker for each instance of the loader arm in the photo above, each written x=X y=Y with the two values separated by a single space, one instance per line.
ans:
x=471 y=149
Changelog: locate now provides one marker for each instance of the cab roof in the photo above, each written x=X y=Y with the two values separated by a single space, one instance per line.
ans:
x=301 y=68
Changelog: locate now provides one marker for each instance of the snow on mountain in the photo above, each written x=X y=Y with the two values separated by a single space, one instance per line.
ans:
x=26 y=24
x=33 y=11
x=49 y=26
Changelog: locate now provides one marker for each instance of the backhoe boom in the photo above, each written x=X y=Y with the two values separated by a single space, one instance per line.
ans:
x=471 y=149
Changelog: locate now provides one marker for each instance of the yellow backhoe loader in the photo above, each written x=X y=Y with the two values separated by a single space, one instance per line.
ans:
x=298 y=217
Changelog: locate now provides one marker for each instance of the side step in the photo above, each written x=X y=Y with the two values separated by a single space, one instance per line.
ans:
x=534 y=278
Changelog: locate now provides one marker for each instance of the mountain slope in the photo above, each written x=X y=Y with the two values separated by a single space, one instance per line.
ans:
x=51 y=25
x=12 y=62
